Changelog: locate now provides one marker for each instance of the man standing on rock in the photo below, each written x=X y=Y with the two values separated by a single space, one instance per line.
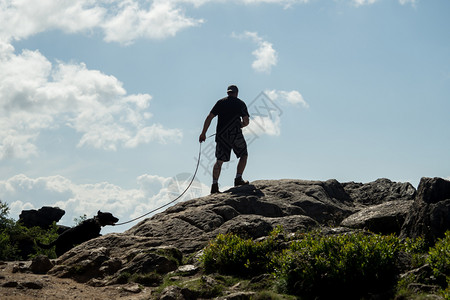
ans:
x=233 y=116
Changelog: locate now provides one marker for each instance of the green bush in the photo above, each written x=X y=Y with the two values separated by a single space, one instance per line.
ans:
x=439 y=256
x=439 y=260
x=232 y=254
x=343 y=265
x=18 y=242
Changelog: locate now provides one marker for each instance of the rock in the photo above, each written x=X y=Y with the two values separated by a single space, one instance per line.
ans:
x=10 y=284
x=385 y=218
x=174 y=292
x=430 y=213
x=187 y=270
x=115 y=254
x=21 y=267
x=238 y=296
x=32 y=285
x=43 y=217
x=380 y=191
x=41 y=264
x=133 y=288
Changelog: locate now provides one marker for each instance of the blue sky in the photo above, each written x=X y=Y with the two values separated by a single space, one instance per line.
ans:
x=102 y=102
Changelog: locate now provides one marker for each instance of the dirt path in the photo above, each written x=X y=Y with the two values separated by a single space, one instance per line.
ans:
x=24 y=286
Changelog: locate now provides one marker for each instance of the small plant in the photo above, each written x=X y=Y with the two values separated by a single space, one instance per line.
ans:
x=80 y=219
x=439 y=256
x=232 y=254
x=439 y=260
x=149 y=279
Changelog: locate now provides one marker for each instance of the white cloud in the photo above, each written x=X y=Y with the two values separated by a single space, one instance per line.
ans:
x=162 y=20
x=265 y=56
x=22 y=192
x=363 y=2
x=405 y=2
x=21 y=19
x=265 y=113
x=290 y=97
x=260 y=125
x=121 y=21
x=369 y=2
x=37 y=95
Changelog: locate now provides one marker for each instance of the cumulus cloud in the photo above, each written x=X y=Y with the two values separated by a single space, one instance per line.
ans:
x=369 y=2
x=266 y=111
x=289 y=97
x=121 y=21
x=37 y=95
x=161 y=20
x=22 y=192
x=265 y=56
x=263 y=125
x=405 y=2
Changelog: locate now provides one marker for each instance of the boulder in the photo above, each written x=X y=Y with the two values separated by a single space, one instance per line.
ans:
x=430 y=213
x=43 y=217
x=41 y=264
x=379 y=191
x=385 y=218
x=114 y=254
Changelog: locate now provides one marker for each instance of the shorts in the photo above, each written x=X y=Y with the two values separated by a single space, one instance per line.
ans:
x=224 y=147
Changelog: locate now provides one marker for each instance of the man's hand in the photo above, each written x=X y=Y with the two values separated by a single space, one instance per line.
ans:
x=208 y=120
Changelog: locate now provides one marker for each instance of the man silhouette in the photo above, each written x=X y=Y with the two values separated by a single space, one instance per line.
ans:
x=232 y=117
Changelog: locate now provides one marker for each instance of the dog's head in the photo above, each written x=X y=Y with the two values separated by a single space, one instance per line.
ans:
x=106 y=218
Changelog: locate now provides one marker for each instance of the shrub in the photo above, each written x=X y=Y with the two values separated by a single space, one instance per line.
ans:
x=439 y=260
x=232 y=254
x=439 y=256
x=18 y=242
x=349 y=265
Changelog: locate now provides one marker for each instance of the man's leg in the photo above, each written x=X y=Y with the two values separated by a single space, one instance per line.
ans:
x=216 y=174
x=216 y=170
x=241 y=164
x=240 y=170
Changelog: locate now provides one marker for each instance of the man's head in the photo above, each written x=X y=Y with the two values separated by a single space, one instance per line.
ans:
x=232 y=90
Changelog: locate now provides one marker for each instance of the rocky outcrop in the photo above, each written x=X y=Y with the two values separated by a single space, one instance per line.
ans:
x=379 y=191
x=385 y=218
x=157 y=244
x=43 y=217
x=430 y=213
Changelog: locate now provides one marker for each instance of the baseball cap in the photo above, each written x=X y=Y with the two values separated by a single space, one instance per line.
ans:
x=232 y=89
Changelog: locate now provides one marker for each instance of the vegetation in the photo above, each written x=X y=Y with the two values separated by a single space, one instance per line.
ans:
x=313 y=265
x=18 y=242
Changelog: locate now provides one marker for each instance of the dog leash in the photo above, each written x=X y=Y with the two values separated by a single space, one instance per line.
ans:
x=174 y=200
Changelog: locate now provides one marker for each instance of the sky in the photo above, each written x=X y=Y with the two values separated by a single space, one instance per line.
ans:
x=102 y=101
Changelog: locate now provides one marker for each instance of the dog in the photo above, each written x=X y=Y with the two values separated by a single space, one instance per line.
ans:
x=83 y=232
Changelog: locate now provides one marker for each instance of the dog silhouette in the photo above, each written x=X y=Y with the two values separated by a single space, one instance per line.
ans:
x=86 y=230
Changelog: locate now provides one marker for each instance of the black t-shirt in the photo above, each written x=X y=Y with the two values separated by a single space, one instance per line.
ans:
x=229 y=111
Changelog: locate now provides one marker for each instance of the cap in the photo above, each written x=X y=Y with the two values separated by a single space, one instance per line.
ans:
x=232 y=89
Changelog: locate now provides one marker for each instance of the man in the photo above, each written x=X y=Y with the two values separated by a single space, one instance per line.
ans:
x=232 y=117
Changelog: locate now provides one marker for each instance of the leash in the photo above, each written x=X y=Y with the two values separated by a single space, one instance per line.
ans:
x=174 y=200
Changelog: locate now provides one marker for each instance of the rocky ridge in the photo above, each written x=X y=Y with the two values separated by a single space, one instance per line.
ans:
x=174 y=237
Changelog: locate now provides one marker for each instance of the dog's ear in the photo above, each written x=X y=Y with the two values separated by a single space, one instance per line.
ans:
x=99 y=212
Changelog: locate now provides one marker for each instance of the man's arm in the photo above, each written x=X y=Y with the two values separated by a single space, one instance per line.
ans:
x=245 y=121
x=208 y=120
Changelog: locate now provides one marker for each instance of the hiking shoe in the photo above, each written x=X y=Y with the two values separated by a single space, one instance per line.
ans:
x=215 y=188
x=239 y=181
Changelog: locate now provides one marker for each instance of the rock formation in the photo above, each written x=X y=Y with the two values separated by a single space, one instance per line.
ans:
x=43 y=217
x=158 y=243
x=430 y=213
